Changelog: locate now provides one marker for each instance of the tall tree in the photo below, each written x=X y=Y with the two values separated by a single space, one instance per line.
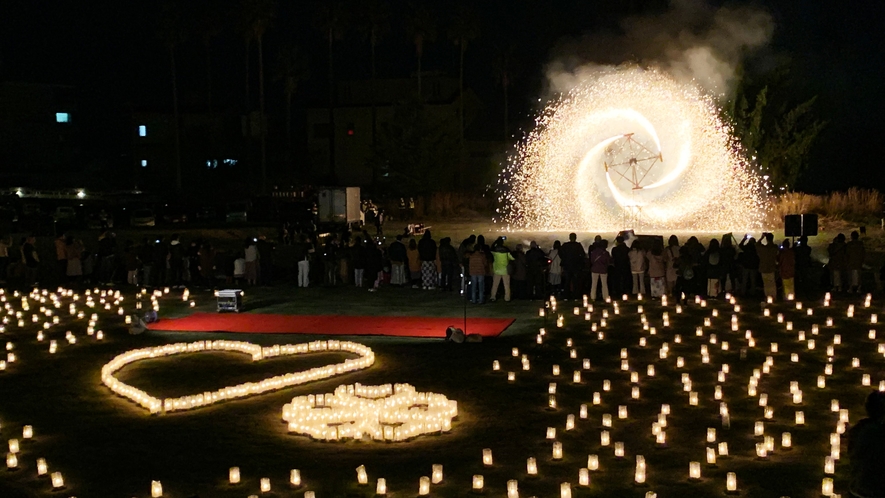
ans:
x=172 y=33
x=291 y=68
x=504 y=72
x=210 y=25
x=330 y=20
x=258 y=15
x=777 y=141
x=464 y=29
x=375 y=25
x=421 y=28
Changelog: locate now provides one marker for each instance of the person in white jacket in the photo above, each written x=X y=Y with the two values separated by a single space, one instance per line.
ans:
x=638 y=267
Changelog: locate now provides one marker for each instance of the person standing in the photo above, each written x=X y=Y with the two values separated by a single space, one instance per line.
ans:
x=727 y=268
x=638 y=267
x=5 y=244
x=61 y=253
x=73 y=255
x=537 y=262
x=130 y=262
x=30 y=259
x=427 y=252
x=146 y=256
x=671 y=260
x=477 y=266
x=854 y=259
x=358 y=261
x=397 y=254
x=573 y=259
x=252 y=256
x=657 y=271
x=767 y=252
x=621 y=267
x=837 y=263
x=330 y=260
x=866 y=450
x=554 y=275
x=414 y=260
x=464 y=250
x=713 y=269
x=786 y=263
x=600 y=260
x=748 y=260
x=500 y=267
x=448 y=258
x=374 y=264
x=265 y=260
x=302 y=251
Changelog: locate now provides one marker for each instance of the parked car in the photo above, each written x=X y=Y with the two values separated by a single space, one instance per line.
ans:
x=207 y=213
x=99 y=220
x=143 y=217
x=174 y=214
x=236 y=212
x=64 y=213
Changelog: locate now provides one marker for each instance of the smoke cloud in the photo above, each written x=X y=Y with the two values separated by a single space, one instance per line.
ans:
x=692 y=41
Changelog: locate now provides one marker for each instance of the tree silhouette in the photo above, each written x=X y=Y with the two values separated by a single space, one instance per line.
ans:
x=421 y=28
x=374 y=25
x=209 y=27
x=257 y=14
x=291 y=68
x=464 y=29
x=171 y=32
x=504 y=70
x=330 y=20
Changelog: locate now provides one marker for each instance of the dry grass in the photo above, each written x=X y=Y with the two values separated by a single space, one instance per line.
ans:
x=855 y=204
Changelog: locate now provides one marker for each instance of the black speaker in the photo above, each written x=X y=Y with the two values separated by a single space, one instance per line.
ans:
x=797 y=225
x=809 y=225
x=793 y=225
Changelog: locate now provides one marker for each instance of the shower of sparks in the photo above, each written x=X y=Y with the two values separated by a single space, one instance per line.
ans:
x=631 y=148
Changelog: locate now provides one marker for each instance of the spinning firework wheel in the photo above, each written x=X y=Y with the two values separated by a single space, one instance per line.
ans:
x=629 y=160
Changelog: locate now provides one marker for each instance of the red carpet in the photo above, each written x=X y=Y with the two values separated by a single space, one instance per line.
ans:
x=401 y=326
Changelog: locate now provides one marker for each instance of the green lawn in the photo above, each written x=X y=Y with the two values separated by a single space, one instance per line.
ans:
x=106 y=446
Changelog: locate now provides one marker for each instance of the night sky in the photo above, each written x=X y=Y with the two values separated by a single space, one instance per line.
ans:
x=110 y=51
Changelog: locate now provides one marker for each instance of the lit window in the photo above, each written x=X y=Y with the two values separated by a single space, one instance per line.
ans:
x=62 y=117
x=144 y=163
x=142 y=131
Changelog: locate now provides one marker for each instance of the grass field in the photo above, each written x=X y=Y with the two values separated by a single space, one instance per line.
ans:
x=107 y=446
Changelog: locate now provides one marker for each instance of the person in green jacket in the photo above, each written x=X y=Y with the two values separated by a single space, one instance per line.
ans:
x=501 y=259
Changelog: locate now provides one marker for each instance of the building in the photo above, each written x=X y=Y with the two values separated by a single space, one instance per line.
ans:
x=211 y=144
x=38 y=134
x=352 y=135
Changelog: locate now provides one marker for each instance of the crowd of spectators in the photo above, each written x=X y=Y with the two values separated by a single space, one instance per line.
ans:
x=482 y=271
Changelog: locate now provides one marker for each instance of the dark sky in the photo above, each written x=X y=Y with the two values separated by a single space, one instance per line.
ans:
x=110 y=51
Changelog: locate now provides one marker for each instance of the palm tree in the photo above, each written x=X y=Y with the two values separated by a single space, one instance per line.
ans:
x=171 y=31
x=421 y=27
x=375 y=25
x=258 y=15
x=465 y=28
x=329 y=19
x=292 y=68
x=210 y=26
x=504 y=72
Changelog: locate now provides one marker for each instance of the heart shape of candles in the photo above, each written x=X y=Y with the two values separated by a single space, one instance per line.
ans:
x=387 y=412
x=192 y=401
